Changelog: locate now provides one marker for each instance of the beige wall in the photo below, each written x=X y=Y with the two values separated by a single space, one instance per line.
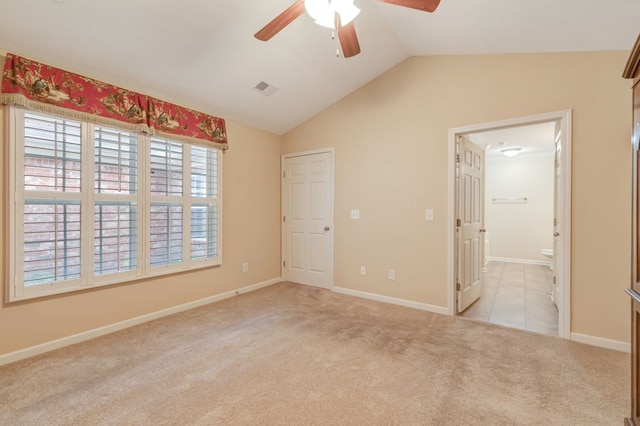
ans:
x=251 y=233
x=518 y=230
x=391 y=163
x=391 y=146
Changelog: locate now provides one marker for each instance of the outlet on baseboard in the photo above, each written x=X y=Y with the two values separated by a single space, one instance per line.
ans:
x=245 y=267
x=363 y=270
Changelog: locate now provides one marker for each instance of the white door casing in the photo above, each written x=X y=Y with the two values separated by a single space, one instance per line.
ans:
x=307 y=218
x=556 y=261
x=470 y=221
x=562 y=255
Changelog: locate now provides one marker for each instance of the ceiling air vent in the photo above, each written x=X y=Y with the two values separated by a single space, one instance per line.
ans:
x=265 y=88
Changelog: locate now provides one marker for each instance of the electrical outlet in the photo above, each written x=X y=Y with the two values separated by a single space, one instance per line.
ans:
x=392 y=274
x=363 y=270
x=355 y=214
x=245 y=267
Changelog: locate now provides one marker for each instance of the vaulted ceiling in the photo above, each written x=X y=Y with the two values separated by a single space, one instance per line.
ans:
x=202 y=53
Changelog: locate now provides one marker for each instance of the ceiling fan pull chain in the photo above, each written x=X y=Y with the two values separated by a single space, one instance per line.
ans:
x=337 y=25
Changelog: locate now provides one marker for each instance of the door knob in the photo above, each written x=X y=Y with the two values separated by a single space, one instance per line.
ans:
x=326 y=228
x=556 y=234
x=483 y=230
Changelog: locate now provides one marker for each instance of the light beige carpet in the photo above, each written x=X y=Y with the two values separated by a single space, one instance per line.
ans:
x=294 y=355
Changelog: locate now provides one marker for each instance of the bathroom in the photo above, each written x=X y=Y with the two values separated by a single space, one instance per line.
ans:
x=518 y=218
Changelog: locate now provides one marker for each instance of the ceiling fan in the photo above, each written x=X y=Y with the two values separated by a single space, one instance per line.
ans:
x=337 y=15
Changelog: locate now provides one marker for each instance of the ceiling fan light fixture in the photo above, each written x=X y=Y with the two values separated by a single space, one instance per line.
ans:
x=323 y=11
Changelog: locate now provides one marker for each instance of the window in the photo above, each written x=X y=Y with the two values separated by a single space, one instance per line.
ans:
x=153 y=207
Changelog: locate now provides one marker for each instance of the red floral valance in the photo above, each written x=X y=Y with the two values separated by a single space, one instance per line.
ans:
x=48 y=89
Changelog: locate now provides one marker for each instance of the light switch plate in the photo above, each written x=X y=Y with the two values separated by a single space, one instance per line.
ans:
x=429 y=215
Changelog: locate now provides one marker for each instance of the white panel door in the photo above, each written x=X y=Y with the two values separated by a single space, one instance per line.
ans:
x=307 y=227
x=470 y=218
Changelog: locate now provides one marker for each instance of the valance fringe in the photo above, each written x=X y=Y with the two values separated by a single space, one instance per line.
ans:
x=18 y=99
x=187 y=139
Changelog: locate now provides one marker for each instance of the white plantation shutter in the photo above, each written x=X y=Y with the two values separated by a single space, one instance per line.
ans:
x=52 y=151
x=116 y=201
x=51 y=210
x=204 y=208
x=204 y=172
x=68 y=233
x=166 y=233
x=51 y=241
x=204 y=231
x=116 y=161
x=166 y=187
x=115 y=237
x=166 y=168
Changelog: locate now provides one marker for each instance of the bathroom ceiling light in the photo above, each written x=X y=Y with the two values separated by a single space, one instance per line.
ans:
x=510 y=152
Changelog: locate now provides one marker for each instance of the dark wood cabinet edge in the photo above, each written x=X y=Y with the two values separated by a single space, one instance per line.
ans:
x=631 y=69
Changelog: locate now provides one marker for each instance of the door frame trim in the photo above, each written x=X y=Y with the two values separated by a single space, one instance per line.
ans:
x=564 y=276
x=332 y=152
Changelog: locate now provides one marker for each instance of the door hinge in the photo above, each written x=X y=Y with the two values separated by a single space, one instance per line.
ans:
x=554 y=279
x=555 y=222
x=284 y=218
x=284 y=263
x=457 y=286
x=284 y=174
x=458 y=222
x=457 y=158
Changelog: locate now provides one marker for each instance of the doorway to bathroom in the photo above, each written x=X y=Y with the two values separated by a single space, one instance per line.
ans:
x=524 y=238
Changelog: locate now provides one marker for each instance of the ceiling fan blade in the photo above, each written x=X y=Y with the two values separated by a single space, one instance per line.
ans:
x=281 y=21
x=349 y=40
x=423 y=5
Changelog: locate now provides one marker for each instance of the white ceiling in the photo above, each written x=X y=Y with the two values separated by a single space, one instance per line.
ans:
x=534 y=140
x=202 y=53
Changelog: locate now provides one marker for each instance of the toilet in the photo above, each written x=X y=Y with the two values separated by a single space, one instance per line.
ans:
x=548 y=253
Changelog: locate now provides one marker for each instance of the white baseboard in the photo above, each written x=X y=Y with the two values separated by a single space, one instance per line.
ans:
x=101 y=331
x=512 y=260
x=394 y=301
x=615 y=345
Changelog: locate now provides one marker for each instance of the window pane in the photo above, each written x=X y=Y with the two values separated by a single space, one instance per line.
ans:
x=203 y=231
x=51 y=241
x=51 y=154
x=204 y=172
x=116 y=161
x=166 y=234
x=166 y=168
x=115 y=237
x=45 y=214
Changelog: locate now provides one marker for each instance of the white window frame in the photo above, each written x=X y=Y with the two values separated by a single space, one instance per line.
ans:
x=16 y=290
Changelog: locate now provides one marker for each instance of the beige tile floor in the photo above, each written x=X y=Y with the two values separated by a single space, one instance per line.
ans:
x=516 y=295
